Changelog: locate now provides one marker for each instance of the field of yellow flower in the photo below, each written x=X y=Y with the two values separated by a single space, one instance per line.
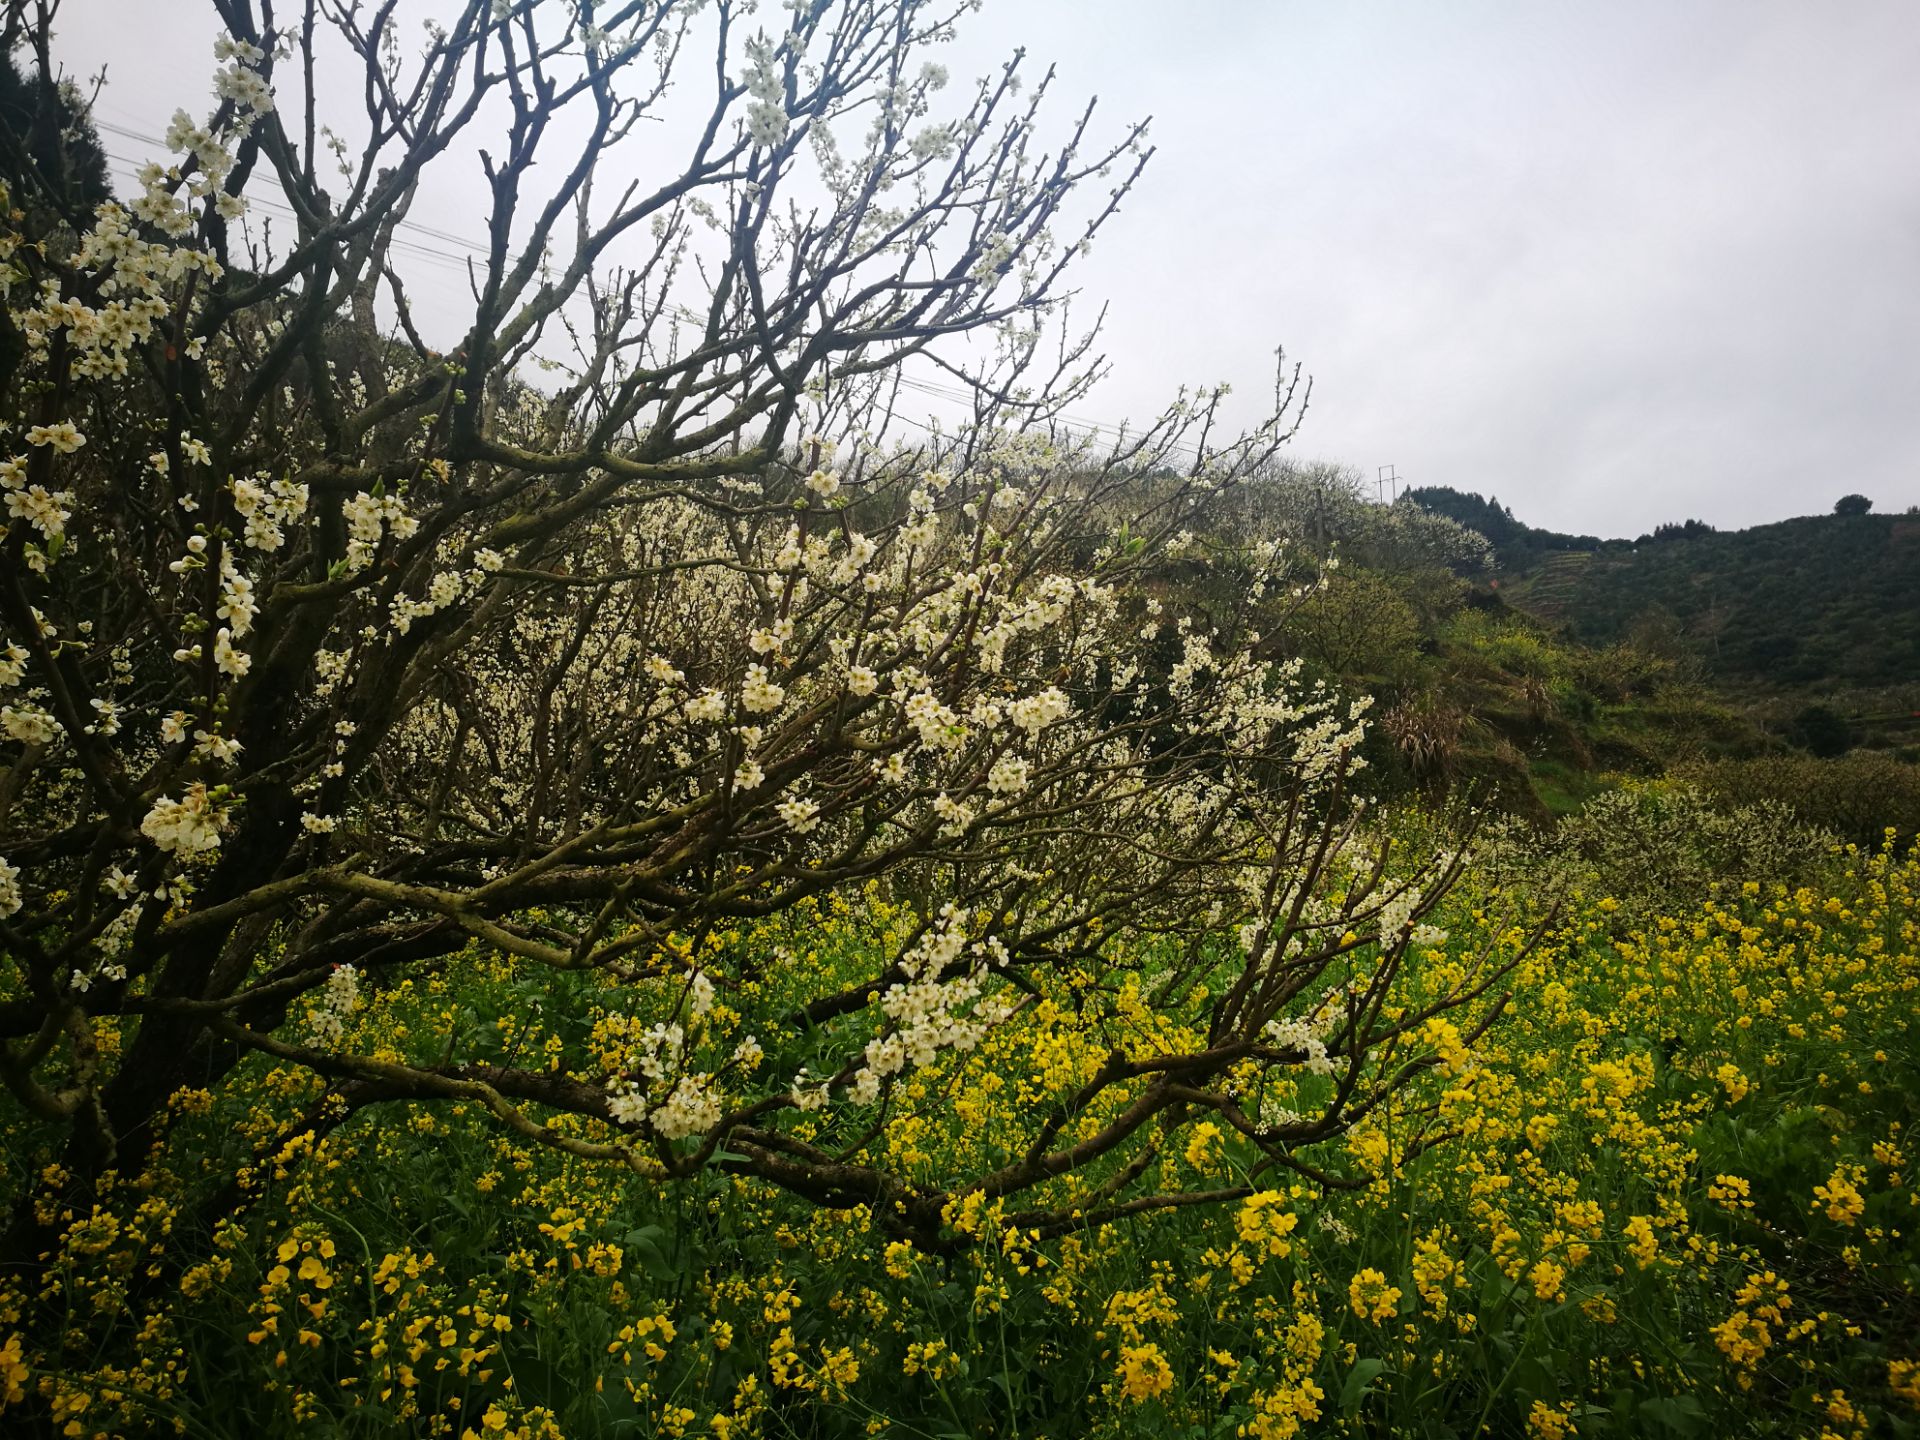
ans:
x=1670 y=1193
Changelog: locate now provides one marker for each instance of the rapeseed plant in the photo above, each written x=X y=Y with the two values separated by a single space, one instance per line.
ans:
x=1669 y=1190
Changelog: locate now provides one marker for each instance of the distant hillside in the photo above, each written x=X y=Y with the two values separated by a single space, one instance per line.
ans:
x=1822 y=603
x=1816 y=603
x=1516 y=546
x=1531 y=671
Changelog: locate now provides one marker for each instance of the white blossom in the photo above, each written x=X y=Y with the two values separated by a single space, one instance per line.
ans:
x=338 y=999
x=700 y=993
x=1008 y=776
x=801 y=816
x=760 y=695
x=229 y=660
x=61 y=436
x=28 y=724
x=221 y=749
x=1034 y=713
x=187 y=826
x=692 y=1108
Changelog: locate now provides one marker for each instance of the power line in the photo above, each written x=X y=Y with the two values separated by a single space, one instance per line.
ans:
x=424 y=252
x=1117 y=431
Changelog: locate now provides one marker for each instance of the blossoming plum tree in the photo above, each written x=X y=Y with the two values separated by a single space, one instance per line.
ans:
x=339 y=636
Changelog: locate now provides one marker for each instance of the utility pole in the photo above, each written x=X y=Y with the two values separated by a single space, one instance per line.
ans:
x=1386 y=482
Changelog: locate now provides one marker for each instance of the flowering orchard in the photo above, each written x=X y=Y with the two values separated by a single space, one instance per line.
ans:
x=335 y=659
x=564 y=874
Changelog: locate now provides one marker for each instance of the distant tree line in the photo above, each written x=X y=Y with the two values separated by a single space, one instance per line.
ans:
x=1683 y=530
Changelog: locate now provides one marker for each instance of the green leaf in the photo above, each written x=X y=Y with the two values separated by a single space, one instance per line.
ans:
x=1363 y=1374
x=644 y=1243
x=1677 y=1414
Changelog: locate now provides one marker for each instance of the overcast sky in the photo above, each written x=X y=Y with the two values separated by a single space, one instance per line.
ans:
x=1617 y=263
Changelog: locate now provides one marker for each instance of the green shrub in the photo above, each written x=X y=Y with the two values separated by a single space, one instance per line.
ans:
x=1652 y=847
x=1858 y=796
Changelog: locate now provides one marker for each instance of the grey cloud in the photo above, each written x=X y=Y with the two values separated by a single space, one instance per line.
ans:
x=1619 y=263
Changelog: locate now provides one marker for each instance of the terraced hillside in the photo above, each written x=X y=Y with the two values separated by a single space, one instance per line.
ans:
x=1550 y=592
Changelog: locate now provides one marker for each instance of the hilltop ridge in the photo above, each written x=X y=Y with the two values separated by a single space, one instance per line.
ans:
x=1824 y=604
